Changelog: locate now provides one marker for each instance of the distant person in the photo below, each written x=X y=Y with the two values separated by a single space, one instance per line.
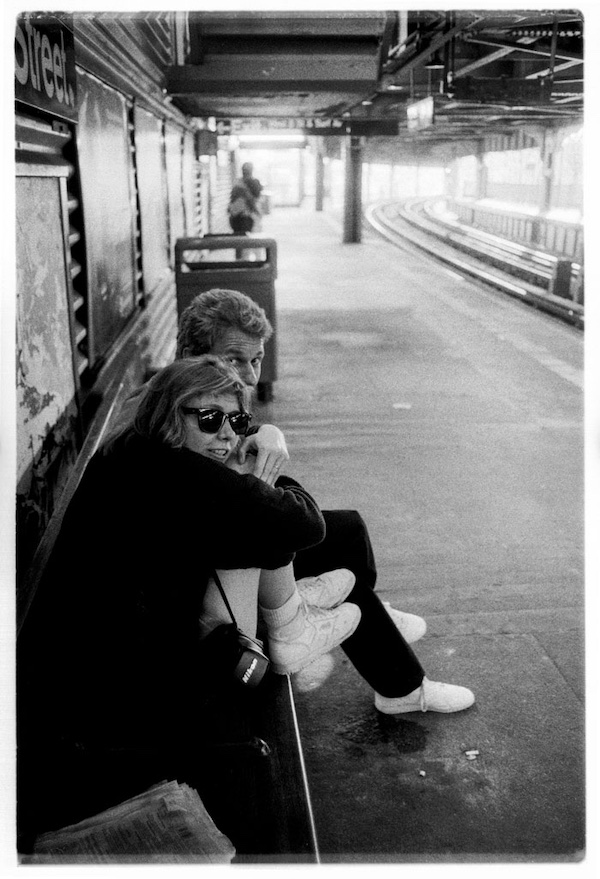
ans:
x=244 y=202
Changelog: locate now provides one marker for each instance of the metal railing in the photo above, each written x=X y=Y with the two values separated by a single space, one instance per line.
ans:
x=551 y=283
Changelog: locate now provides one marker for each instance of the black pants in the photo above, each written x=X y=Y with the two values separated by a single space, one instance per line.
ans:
x=376 y=649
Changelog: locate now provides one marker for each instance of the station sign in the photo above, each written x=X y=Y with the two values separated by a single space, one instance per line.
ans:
x=281 y=125
x=374 y=127
x=45 y=63
x=310 y=126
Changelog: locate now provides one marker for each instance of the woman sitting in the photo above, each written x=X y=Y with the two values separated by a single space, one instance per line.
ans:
x=213 y=417
x=113 y=660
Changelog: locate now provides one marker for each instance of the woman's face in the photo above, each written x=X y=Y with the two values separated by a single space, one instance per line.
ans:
x=221 y=444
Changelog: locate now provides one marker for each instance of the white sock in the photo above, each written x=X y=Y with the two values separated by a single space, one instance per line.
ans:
x=277 y=618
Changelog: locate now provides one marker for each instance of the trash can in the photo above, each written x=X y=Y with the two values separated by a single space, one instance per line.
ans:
x=234 y=262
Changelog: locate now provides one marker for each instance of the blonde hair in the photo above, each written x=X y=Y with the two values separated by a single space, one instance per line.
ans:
x=159 y=414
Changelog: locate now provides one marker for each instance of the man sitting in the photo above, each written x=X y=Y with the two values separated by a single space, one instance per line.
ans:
x=230 y=324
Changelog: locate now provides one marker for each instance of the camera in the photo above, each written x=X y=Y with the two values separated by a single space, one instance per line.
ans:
x=236 y=655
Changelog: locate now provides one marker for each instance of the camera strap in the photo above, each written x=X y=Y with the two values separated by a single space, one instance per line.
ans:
x=224 y=597
x=250 y=661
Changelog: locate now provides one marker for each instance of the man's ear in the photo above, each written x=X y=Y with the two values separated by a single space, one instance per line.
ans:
x=185 y=352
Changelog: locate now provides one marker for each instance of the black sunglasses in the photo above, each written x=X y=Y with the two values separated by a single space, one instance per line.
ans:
x=212 y=420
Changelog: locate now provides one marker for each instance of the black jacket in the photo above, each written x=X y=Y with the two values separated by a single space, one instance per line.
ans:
x=112 y=640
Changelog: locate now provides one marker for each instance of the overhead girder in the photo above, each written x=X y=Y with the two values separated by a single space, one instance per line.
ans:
x=288 y=24
x=370 y=66
x=251 y=74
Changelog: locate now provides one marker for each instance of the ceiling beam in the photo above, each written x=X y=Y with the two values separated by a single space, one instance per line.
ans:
x=569 y=99
x=221 y=91
x=252 y=74
x=283 y=24
x=398 y=66
x=482 y=62
x=391 y=27
x=519 y=47
x=557 y=68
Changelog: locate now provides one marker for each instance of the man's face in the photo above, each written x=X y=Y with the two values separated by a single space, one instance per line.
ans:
x=245 y=352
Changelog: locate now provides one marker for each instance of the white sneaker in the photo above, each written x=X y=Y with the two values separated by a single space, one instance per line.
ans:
x=295 y=645
x=328 y=589
x=410 y=626
x=430 y=696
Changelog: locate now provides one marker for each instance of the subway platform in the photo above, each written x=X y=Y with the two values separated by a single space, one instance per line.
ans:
x=452 y=419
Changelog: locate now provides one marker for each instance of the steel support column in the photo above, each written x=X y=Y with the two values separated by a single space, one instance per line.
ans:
x=319 y=175
x=548 y=148
x=352 y=190
x=301 y=176
x=481 y=180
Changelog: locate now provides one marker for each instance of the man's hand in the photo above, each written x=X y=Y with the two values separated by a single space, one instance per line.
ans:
x=271 y=452
x=246 y=467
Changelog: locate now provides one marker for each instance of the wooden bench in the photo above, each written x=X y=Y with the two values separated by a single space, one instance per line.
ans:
x=251 y=774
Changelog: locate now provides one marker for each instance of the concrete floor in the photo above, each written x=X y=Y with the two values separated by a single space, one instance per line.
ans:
x=451 y=417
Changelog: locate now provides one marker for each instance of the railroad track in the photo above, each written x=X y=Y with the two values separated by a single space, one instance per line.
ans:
x=519 y=271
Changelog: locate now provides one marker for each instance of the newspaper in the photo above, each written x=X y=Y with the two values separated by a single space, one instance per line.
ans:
x=166 y=824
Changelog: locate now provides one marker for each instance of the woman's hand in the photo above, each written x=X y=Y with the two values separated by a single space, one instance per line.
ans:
x=269 y=446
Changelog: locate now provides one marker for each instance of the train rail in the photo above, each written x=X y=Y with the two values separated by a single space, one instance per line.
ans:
x=519 y=271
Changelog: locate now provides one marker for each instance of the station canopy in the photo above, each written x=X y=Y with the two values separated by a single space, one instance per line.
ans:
x=433 y=76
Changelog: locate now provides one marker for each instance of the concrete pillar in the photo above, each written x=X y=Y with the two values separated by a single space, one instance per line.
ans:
x=548 y=148
x=366 y=175
x=481 y=183
x=353 y=190
x=301 y=177
x=319 y=175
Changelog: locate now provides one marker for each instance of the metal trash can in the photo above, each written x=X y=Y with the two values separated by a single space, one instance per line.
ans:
x=233 y=262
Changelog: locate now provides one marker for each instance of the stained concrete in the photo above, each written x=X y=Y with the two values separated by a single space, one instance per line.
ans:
x=452 y=419
x=403 y=788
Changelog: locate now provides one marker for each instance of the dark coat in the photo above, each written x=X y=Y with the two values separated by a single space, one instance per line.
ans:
x=112 y=641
